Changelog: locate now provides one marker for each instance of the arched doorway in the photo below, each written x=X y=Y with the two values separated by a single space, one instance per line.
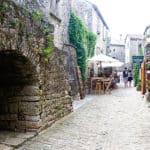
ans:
x=18 y=80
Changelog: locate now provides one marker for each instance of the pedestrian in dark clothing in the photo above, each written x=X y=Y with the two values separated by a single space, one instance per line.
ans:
x=130 y=77
x=116 y=77
x=125 y=77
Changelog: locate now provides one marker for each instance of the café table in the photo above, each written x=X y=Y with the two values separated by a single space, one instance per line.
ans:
x=97 y=80
x=104 y=81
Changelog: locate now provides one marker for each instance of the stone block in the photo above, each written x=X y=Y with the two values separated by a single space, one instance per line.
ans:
x=32 y=118
x=24 y=98
x=30 y=108
x=30 y=91
x=29 y=124
x=30 y=98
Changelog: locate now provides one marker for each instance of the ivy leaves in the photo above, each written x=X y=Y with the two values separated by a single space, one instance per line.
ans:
x=83 y=39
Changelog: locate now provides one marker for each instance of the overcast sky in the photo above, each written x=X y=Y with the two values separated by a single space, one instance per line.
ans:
x=125 y=16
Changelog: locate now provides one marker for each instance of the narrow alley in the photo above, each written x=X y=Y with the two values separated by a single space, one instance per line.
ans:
x=54 y=52
x=117 y=121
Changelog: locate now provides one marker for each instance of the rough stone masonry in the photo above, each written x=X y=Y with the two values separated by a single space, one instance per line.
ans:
x=35 y=89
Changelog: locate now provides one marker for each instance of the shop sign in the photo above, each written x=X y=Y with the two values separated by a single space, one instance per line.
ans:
x=137 y=59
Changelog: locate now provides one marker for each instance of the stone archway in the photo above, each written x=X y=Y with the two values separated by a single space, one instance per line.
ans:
x=19 y=92
x=34 y=87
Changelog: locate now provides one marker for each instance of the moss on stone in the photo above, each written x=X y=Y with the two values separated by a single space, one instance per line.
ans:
x=49 y=48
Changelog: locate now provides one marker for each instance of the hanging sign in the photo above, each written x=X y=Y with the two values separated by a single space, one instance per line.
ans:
x=137 y=59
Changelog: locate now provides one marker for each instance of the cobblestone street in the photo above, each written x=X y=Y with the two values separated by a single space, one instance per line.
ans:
x=117 y=121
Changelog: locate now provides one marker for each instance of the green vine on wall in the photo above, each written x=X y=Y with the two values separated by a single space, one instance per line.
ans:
x=136 y=68
x=83 y=39
x=49 y=48
x=37 y=15
x=91 y=42
x=140 y=50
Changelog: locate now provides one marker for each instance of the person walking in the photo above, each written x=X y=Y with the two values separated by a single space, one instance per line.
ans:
x=125 y=76
x=130 y=77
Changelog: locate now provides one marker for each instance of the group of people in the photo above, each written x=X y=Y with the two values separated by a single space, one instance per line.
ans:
x=127 y=77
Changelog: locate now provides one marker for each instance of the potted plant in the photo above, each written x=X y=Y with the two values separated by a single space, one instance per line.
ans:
x=138 y=86
x=147 y=66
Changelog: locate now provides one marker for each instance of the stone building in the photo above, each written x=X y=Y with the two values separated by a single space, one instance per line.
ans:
x=133 y=46
x=147 y=36
x=38 y=66
x=56 y=13
x=94 y=20
x=147 y=31
x=117 y=50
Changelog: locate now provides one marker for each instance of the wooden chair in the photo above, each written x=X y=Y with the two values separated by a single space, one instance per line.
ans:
x=107 y=84
x=98 y=87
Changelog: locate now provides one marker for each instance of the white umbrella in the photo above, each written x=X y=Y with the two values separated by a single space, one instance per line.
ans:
x=113 y=64
x=102 y=58
x=104 y=61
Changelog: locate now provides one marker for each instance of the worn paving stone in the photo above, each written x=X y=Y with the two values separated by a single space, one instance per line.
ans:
x=117 y=121
x=13 y=139
x=5 y=147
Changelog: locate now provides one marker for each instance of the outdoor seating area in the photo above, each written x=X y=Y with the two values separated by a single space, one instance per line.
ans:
x=100 y=85
x=102 y=76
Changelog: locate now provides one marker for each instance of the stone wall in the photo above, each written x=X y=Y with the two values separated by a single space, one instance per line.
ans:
x=132 y=43
x=56 y=99
x=84 y=10
x=34 y=86
x=56 y=12
x=117 y=51
x=92 y=17
x=72 y=70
